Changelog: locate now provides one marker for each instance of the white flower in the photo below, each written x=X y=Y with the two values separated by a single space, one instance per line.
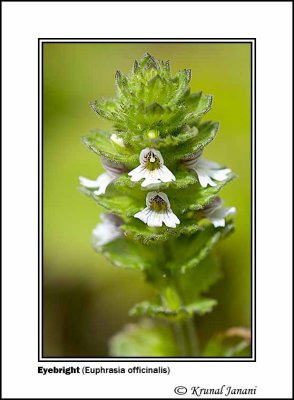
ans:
x=151 y=169
x=107 y=231
x=158 y=211
x=206 y=170
x=113 y=170
x=100 y=183
x=118 y=140
x=216 y=213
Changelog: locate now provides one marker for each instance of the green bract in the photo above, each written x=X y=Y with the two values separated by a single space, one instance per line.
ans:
x=162 y=218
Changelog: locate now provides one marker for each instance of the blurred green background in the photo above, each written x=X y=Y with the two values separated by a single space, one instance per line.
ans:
x=86 y=299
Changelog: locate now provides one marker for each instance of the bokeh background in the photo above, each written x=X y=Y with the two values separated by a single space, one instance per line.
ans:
x=86 y=299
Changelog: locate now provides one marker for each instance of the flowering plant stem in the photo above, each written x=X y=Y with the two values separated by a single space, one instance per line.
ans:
x=187 y=338
x=163 y=213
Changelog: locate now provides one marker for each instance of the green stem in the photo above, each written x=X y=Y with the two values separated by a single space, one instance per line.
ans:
x=188 y=326
x=193 y=337
x=185 y=331
x=180 y=338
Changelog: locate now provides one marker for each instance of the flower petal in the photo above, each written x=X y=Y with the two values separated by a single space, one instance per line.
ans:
x=102 y=182
x=217 y=222
x=155 y=219
x=143 y=215
x=204 y=178
x=165 y=175
x=220 y=174
x=217 y=217
x=207 y=164
x=171 y=220
x=137 y=174
x=151 y=177
x=88 y=183
x=107 y=231
x=207 y=170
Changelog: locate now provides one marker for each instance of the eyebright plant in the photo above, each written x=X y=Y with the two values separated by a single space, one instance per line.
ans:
x=163 y=214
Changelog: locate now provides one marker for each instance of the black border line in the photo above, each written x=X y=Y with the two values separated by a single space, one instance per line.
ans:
x=39 y=200
x=145 y=40
x=55 y=359
x=253 y=206
x=42 y=196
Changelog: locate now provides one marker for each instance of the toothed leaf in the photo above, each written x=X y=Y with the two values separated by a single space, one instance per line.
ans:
x=124 y=253
x=199 y=307
x=191 y=250
x=100 y=142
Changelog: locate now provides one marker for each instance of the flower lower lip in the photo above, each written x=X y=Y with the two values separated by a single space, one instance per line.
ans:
x=158 y=211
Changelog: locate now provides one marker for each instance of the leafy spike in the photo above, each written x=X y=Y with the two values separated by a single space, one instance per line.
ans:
x=163 y=213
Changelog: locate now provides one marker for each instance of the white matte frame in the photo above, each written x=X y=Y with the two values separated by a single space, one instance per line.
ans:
x=270 y=24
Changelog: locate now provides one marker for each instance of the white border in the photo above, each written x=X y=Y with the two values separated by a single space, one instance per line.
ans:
x=272 y=24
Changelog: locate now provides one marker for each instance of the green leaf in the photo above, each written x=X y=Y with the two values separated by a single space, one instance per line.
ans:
x=122 y=85
x=115 y=202
x=137 y=230
x=198 y=104
x=200 y=307
x=191 y=250
x=144 y=339
x=181 y=81
x=124 y=253
x=100 y=142
x=108 y=109
x=206 y=133
x=196 y=281
x=235 y=342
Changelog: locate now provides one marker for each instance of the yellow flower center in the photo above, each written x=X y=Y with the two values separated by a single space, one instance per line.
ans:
x=153 y=161
x=158 y=204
